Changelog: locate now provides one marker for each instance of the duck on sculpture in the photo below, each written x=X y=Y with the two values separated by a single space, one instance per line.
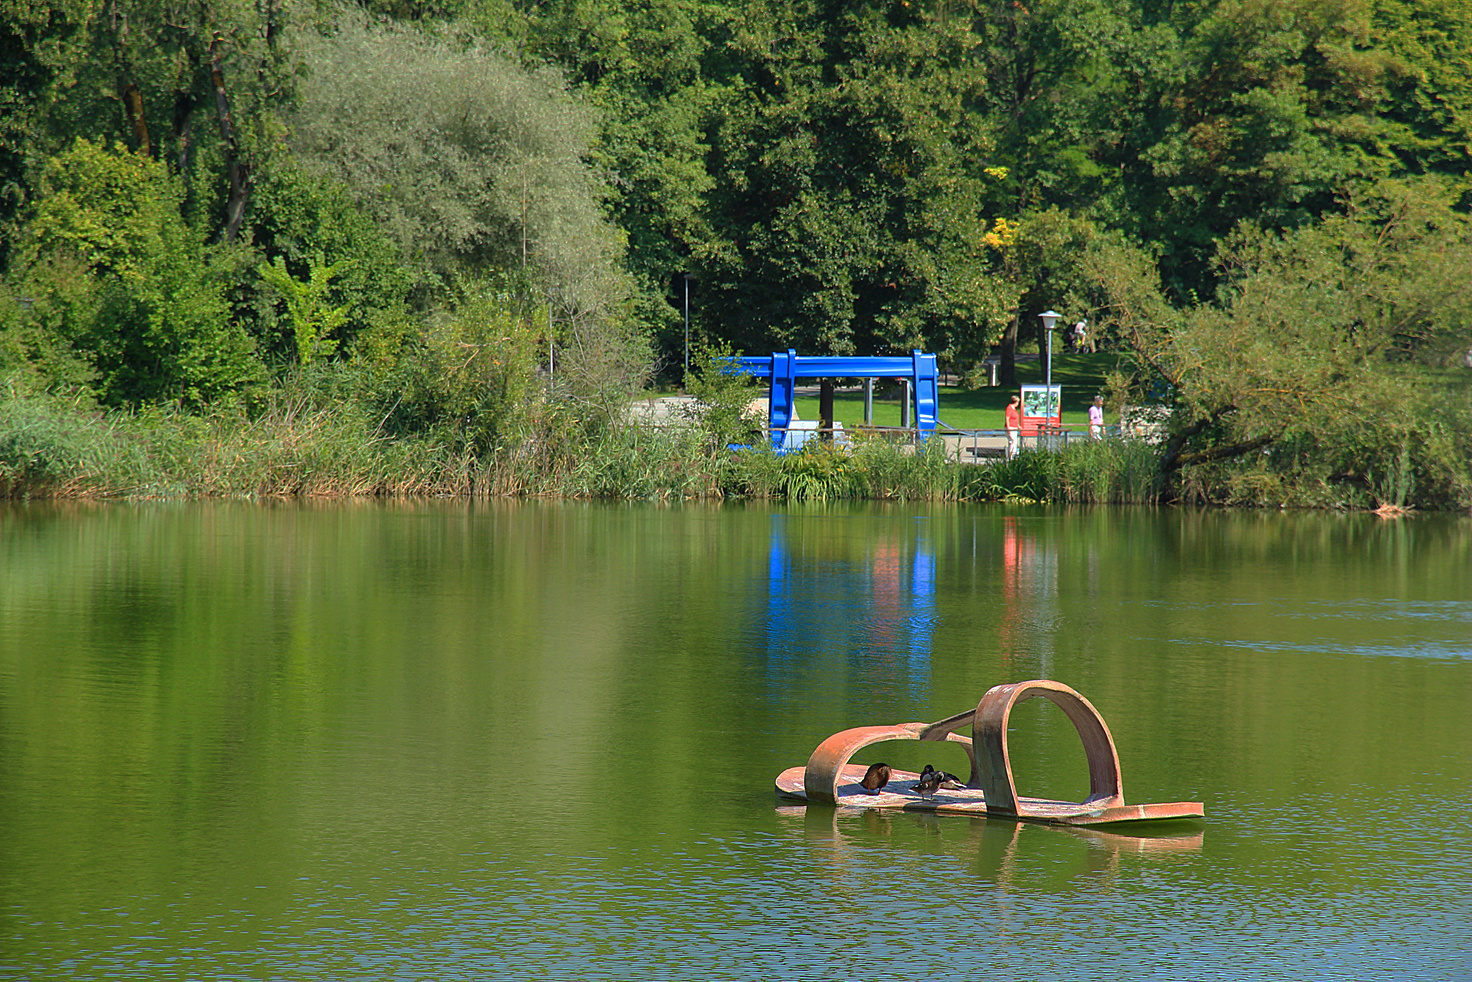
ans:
x=875 y=778
x=928 y=784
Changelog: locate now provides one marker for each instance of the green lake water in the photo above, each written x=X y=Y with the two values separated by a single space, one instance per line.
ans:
x=435 y=741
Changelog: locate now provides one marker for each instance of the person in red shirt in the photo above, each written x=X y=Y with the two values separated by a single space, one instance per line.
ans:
x=1012 y=419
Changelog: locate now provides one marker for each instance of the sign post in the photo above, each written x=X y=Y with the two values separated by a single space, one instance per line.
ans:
x=1042 y=410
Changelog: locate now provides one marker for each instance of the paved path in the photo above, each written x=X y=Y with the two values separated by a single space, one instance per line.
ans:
x=662 y=410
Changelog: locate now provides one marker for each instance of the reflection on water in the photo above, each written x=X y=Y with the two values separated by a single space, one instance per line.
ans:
x=992 y=850
x=865 y=606
x=1030 y=592
x=423 y=740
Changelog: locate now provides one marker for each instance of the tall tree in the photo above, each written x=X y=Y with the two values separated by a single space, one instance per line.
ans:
x=1428 y=101
x=166 y=78
x=853 y=184
x=1267 y=116
x=464 y=157
x=479 y=169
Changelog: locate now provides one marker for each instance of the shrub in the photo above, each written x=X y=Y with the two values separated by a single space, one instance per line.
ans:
x=723 y=393
x=159 y=326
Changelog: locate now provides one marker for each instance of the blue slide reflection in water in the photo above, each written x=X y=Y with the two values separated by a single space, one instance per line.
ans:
x=855 y=611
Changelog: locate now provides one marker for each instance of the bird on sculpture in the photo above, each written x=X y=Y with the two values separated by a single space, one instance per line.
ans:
x=876 y=777
x=928 y=783
x=950 y=782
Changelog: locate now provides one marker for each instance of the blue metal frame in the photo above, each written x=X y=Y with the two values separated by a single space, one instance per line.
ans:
x=785 y=368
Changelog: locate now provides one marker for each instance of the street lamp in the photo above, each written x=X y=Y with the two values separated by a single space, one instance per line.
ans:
x=1049 y=318
x=685 y=379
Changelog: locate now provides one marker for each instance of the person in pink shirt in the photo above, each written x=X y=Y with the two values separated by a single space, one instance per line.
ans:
x=1096 y=419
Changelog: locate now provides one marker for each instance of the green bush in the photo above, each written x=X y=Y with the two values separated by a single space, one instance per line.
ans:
x=723 y=393
x=159 y=325
x=302 y=220
x=469 y=379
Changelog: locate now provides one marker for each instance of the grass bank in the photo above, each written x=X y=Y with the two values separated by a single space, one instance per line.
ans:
x=291 y=446
x=309 y=439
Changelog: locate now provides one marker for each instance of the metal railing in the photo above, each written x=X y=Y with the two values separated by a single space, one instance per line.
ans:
x=967 y=446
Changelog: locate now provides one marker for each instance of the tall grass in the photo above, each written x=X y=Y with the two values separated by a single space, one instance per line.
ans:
x=303 y=440
x=294 y=448
x=50 y=447
x=1094 y=472
x=296 y=443
x=891 y=471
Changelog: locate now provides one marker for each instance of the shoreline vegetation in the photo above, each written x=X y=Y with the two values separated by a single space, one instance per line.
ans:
x=50 y=450
x=375 y=247
x=303 y=439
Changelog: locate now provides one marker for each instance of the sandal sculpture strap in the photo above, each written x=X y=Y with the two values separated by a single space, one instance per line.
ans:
x=824 y=771
x=989 y=734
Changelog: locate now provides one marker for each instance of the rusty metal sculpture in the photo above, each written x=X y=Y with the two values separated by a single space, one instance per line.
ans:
x=990 y=788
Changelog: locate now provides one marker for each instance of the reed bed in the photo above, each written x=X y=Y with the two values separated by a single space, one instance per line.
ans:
x=297 y=443
x=1094 y=472
x=292 y=446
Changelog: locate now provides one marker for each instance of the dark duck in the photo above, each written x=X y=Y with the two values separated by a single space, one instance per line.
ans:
x=876 y=777
x=930 y=780
x=950 y=782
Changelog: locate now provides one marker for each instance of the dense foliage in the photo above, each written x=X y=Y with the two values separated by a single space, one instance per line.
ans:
x=473 y=223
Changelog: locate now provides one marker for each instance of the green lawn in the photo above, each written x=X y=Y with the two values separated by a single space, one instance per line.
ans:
x=1081 y=376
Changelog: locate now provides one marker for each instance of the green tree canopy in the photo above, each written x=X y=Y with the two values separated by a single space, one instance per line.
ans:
x=852 y=184
x=160 y=327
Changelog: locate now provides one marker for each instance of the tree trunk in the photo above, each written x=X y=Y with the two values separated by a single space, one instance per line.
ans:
x=186 y=100
x=237 y=171
x=128 y=92
x=133 y=106
x=1176 y=461
x=1007 y=374
x=825 y=408
x=183 y=130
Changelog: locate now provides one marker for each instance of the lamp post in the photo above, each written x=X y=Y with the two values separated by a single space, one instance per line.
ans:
x=685 y=379
x=1049 y=318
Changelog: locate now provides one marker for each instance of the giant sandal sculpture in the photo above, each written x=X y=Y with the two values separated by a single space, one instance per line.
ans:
x=990 y=790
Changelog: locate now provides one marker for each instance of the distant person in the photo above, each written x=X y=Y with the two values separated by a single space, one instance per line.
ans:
x=1080 y=336
x=1096 y=419
x=1012 y=419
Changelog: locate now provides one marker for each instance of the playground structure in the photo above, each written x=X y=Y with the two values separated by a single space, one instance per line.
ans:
x=783 y=369
x=1042 y=425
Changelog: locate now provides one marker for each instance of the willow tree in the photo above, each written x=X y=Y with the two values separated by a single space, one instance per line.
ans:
x=479 y=169
x=463 y=156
